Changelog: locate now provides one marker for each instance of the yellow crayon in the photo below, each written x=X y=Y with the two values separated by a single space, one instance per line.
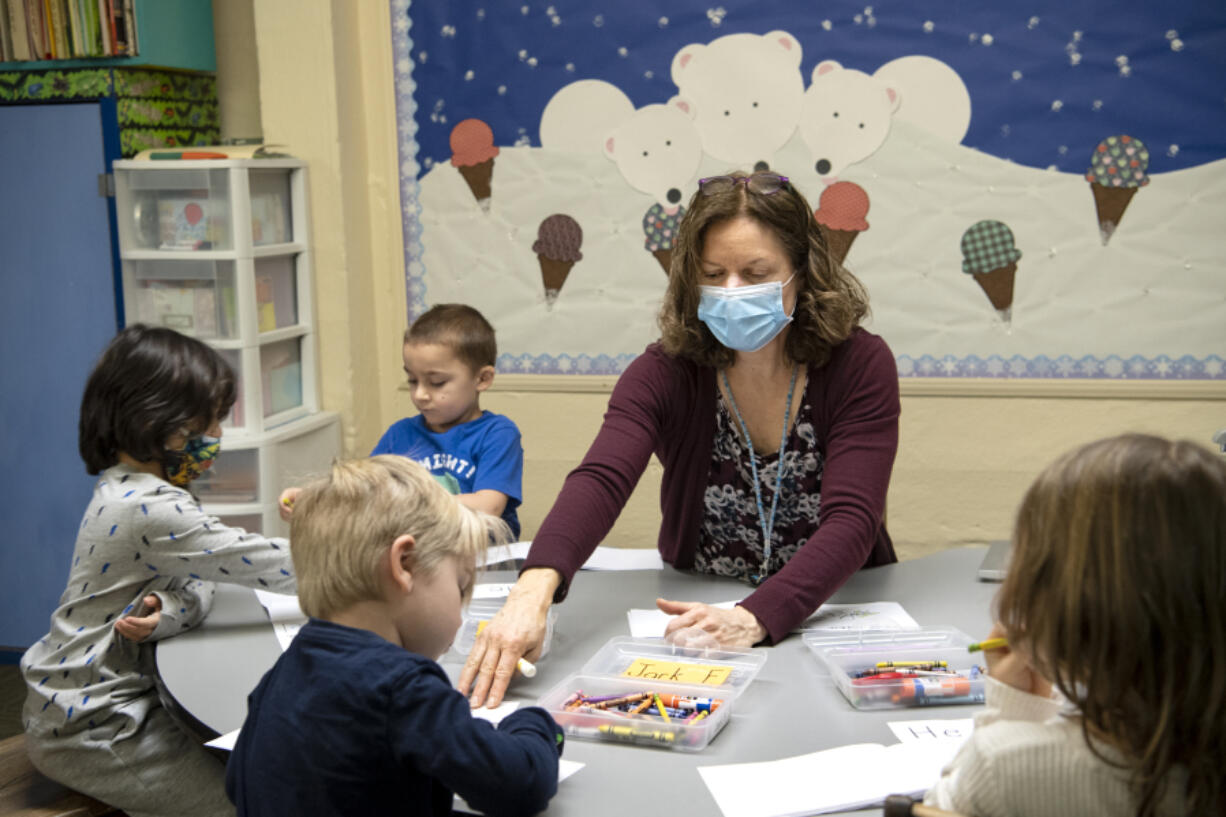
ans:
x=889 y=664
x=660 y=709
x=988 y=644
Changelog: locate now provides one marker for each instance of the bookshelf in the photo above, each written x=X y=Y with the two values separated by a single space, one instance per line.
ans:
x=169 y=33
x=218 y=249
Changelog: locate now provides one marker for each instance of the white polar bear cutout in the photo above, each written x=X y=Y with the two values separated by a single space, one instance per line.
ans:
x=746 y=90
x=845 y=117
x=658 y=150
x=579 y=116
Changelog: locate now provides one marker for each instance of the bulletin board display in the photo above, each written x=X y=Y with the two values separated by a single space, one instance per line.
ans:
x=1027 y=191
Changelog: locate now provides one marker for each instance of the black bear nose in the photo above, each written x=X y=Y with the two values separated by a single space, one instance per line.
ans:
x=823 y=167
x=674 y=196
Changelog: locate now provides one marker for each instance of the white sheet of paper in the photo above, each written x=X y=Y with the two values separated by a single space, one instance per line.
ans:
x=497 y=713
x=603 y=558
x=848 y=777
x=491 y=591
x=280 y=606
x=501 y=553
x=651 y=623
x=286 y=616
x=956 y=729
x=869 y=615
x=225 y=742
x=565 y=769
x=606 y=558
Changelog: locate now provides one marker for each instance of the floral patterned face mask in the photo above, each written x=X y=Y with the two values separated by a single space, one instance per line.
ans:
x=192 y=460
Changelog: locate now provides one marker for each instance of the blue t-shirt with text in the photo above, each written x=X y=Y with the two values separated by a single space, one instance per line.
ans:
x=483 y=454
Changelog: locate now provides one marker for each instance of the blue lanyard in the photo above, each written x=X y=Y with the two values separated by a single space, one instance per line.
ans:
x=767 y=523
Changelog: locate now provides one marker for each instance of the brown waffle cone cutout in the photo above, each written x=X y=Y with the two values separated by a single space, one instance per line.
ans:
x=998 y=285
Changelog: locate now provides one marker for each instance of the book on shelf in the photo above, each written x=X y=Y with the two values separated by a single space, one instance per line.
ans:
x=37 y=29
x=266 y=305
x=17 y=44
x=66 y=29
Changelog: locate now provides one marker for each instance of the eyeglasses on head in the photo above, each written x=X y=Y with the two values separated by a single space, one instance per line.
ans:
x=763 y=184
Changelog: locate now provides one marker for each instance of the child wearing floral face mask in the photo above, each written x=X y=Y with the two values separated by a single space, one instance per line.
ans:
x=143 y=568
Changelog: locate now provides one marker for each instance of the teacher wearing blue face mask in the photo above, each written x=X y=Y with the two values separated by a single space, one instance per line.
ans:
x=774 y=415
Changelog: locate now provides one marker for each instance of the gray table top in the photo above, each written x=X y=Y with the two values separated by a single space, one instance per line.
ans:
x=790 y=709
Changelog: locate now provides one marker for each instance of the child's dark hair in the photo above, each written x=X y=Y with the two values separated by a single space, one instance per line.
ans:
x=149 y=384
x=460 y=327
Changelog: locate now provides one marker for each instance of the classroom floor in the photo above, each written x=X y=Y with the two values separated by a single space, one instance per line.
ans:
x=12 y=696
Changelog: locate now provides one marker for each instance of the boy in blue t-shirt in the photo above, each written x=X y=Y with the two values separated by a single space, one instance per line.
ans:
x=449 y=354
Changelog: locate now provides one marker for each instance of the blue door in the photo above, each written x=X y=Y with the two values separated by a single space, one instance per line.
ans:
x=57 y=312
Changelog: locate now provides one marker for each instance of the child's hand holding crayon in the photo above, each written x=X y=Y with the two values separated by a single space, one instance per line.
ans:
x=285 y=503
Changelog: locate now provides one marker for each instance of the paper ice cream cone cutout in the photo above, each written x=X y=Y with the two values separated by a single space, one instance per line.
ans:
x=840 y=216
x=660 y=225
x=838 y=241
x=472 y=153
x=1118 y=168
x=665 y=257
x=988 y=256
x=557 y=248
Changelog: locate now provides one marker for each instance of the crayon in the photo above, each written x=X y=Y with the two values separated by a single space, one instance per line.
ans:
x=625 y=734
x=916 y=664
x=988 y=644
x=625 y=699
x=526 y=667
x=641 y=706
x=660 y=709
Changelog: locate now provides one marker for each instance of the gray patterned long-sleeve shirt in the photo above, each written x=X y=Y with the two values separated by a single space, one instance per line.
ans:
x=140 y=535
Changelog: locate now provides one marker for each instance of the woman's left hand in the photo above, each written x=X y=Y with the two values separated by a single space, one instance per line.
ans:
x=138 y=628
x=732 y=628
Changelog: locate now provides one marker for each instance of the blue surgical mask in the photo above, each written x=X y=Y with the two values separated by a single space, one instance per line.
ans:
x=744 y=318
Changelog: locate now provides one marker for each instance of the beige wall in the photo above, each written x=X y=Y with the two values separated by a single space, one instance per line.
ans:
x=967 y=452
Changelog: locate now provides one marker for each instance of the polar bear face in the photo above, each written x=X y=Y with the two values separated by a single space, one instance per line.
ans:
x=747 y=89
x=845 y=117
x=658 y=150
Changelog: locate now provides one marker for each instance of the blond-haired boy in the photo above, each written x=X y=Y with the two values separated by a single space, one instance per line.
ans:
x=356 y=717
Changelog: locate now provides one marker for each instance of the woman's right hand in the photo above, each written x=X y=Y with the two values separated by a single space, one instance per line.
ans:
x=1011 y=667
x=516 y=631
x=285 y=502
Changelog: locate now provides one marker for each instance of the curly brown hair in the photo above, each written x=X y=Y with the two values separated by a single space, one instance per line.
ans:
x=830 y=301
x=1117 y=591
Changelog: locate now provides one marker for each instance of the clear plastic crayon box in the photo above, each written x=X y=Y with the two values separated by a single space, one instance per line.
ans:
x=648 y=692
x=893 y=669
x=478 y=614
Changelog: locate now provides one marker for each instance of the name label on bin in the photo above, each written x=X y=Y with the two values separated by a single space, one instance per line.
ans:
x=683 y=673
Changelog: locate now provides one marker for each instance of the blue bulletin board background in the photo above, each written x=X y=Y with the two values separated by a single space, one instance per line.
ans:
x=1038 y=89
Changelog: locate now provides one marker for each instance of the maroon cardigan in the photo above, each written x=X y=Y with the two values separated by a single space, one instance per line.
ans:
x=666 y=406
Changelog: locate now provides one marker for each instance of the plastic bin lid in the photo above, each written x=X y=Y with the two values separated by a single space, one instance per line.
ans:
x=925 y=637
x=729 y=669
